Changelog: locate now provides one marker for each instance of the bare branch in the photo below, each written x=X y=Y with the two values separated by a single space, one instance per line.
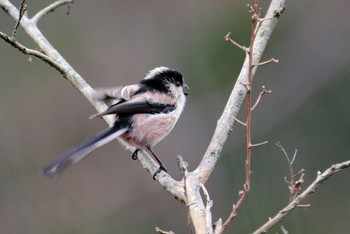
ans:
x=228 y=38
x=38 y=54
x=293 y=185
x=267 y=62
x=294 y=156
x=225 y=123
x=157 y=229
x=242 y=196
x=208 y=207
x=321 y=177
x=195 y=205
x=236 y=119
x=258 y=144
x=50 y=8
x=284 y=230
x=22 y=10
x=304 y=206
x=263 y=91
x=257 y=45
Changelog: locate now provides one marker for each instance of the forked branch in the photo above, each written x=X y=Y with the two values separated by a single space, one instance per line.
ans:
x=51 y=8
x=248 y=84
x=321 y=177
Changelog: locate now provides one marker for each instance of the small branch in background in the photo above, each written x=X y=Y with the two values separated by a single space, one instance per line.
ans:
x=235 y=207
x=51 y=8
x=228 y=38
x=22 y=11
x=293 y=185
x=225 y=122
x=239 y=121
x=284 y=230
x=256 y=23
x=157 y=229
x=263 y=91
x=296 y=203
x=267 y=62
x=258 y=144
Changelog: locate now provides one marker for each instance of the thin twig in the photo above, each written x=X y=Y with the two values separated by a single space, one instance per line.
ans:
x=228 y=38
x=233 y=105
x=256 y=25
x=22 y=10
x=50 y=8
x=157 y=229
x=293 y=185
x=321 y=177
x=258 y=144
x=263 y=91
x=35 y=53
x=246 y=187
x=236 y=119
x=266 y=62
x=284 y=230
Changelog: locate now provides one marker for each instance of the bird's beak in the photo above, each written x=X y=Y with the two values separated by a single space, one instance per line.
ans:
x=187 y=87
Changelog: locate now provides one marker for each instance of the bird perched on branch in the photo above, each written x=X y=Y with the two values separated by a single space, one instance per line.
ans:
x=144 y=113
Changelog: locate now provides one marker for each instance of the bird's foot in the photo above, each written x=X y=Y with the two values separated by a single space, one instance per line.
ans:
x=161 y=168
x=134 y=155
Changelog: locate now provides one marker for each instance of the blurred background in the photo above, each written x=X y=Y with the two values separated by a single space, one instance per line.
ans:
x=115 y=43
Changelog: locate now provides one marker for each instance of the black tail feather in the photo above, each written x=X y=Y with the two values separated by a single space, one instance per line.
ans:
x=80 y=151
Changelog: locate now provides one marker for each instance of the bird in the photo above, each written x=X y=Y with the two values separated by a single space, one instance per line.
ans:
x=144 y=114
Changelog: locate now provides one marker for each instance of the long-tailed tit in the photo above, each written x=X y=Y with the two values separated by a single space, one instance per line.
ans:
x=144 y=113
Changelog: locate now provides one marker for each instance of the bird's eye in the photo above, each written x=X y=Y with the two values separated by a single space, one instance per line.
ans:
x=178 y=83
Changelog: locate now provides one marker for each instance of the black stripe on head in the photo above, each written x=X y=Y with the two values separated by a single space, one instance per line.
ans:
x=158 y=78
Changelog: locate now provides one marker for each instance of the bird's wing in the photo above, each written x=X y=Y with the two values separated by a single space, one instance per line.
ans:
x=116 y=93
x=135 y=107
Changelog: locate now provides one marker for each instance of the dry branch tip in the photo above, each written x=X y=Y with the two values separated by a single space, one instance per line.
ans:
x=262 y=92
x=229 y=39
x=157 y=229
x=258 y=144
x=52 y=7
x=22 y=11
x=272 y=60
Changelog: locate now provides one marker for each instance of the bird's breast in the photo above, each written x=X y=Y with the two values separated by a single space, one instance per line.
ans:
x=149 y=129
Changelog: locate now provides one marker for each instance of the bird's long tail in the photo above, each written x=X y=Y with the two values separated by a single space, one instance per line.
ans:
x=77 y=153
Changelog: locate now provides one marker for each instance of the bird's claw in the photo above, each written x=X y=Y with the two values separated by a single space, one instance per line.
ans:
x=134 y=155
x=161 y=168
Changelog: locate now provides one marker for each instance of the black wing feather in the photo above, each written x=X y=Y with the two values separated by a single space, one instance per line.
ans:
x=136 y=107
